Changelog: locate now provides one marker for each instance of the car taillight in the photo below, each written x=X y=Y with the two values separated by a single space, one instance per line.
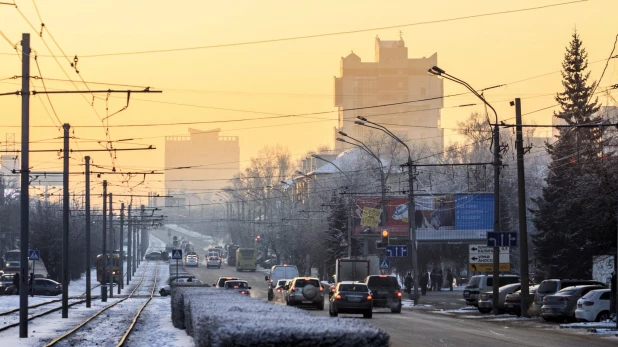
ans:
x=321 y=289
x=588 y=303
x=57 y=287
x=244 y=292
x=338 y=296
x=545 y=299
x=369 y=297
x=564 y=298
x=293 y=289
x=278 y=289
x=398 y=294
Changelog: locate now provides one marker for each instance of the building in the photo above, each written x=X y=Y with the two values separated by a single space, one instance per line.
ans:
x=393 y=78
x=199 y=164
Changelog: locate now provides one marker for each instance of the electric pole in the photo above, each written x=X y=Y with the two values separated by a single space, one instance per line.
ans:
x=104 y=256
x=496 y=272
x=523 y=223
x=25 y=183
x=111 y=247
x=121 y=247
x=129 y=244
x=88 y=267
x=65 y=225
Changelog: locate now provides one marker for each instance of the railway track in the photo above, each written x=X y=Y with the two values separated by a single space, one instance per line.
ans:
x=152 y=291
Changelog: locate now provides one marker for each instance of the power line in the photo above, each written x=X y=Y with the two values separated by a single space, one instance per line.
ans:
x=294 y=38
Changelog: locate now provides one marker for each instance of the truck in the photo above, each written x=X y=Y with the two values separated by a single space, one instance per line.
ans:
x=352 y=269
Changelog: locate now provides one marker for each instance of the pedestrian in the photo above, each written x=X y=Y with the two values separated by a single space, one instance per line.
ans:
x=439 y=280
x=434 y=280
x=16 y=282
x=424 y=282
x=449 y=279
x=408 y=283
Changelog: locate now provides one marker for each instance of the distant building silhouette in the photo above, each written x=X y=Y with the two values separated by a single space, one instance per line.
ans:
x=198 y=164
x=392 y=78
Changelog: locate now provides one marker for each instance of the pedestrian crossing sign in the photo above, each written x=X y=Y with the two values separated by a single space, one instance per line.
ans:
x=34 y=254
x=177 y=254
x=385 y=264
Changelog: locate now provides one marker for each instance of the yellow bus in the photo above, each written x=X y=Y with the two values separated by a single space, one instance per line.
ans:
x=245 y=259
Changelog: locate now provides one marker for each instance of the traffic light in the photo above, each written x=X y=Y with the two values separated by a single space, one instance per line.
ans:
x=385 y=237
x=257 y=238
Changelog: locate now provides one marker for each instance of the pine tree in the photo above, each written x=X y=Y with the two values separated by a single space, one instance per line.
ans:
x=563 y=215
x=336 y=238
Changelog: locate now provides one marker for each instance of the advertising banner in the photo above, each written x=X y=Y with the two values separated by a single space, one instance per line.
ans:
x=461 y=212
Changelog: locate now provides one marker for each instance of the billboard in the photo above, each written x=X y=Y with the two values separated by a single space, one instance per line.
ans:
x=433 y=213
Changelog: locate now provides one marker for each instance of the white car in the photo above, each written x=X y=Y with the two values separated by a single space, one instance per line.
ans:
x=213 y=261
x=191 y=260
x=594 y=306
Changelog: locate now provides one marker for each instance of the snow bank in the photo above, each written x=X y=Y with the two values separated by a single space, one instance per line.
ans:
x=216 y=317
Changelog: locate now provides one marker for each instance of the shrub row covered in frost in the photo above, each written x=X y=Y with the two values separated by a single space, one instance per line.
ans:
x=215 y=317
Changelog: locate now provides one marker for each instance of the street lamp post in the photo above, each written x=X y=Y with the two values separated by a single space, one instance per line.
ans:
x=411 y=204
x=436 y=71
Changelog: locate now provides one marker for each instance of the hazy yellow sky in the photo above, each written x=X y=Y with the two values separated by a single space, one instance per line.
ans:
x=281 y=77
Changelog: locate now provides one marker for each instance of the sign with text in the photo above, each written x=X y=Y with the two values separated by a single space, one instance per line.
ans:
x=370 y=217
x=488 y=267
x=487 y=258
x=484 y=249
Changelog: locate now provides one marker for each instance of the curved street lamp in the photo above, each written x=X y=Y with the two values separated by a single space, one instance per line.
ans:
x=436 y=71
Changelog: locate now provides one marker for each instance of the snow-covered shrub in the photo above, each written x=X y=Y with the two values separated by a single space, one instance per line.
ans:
x=178 y=308
x=216 y=317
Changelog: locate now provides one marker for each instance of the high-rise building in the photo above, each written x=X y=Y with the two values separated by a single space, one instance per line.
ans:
x=199 y=164
x=414 y=97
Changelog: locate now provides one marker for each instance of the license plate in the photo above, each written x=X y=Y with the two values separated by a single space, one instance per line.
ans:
x=353 y=299
x=579 y=305
x=307 y=302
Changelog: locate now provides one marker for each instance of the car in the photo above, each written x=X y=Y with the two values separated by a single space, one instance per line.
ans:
x=184 y=280
x=276 y=273
x=153 y=256
x=386 y=291
x=191 y=260
x=213 y=261
x=305 y=291
x=221 y=281
x=552 y=286
x=5 y=282
x=482 y=283
x=241 y=286
x=351 y=297
x=42 y=286
x=512 y=302
x=562 y=305
x=485 y=303
x=279 y=287
x=594 y=306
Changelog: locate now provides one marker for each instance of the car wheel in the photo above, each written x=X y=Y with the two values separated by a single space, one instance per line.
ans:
x=48 y=293
x=368 y=314
x=330 y=310
x=548 y=319
x=396 y=309
x=162 y=292
x=603 y=316
x=484 y=310
x=335 y=313
x=320 y=306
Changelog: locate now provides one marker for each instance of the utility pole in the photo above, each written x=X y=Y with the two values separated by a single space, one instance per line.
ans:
x=129 y=243
x=523 y=223
x=134 y=244
x=121 y=247
x=141 y=225
x=25 y=178
x=111 y=247
x=104 y=253
x=88 y=267
x=496 y=272
x=412 y=226
x=65 y=224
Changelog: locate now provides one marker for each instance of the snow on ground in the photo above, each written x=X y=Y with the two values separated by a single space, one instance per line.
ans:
x=587 y=325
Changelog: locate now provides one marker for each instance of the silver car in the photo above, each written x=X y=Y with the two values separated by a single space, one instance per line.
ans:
x=213 y=261
x=562 y=305
x=485 y=303
x=305 y=291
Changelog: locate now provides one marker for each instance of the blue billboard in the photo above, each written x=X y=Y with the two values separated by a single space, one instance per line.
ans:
x=474 y=211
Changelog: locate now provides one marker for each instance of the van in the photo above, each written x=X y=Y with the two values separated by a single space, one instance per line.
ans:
x=483 y=283
x=279 y=272
x=552 y=286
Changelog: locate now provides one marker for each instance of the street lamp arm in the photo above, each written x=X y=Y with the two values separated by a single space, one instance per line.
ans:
x=335 y=165
x=388 y=132
x=472 y=90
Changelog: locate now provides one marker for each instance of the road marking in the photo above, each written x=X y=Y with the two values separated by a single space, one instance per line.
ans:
x=493 y=332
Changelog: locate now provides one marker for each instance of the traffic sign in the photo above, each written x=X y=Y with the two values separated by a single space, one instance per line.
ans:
x=498 y=239
x=488 y=267
x=34 y=254
x=385 y=264
x=177 y=254
x=484 y=249
x=487 y=258
x=397 y=251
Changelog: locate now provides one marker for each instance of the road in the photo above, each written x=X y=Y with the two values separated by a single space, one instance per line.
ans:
x=424 y=327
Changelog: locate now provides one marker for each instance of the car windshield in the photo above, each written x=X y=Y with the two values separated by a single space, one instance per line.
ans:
x=281 y=282
x=547 y=287
x=223 y=280
x=235 y=285
x=474 y=282
x=303 y=282
x=213 y=258
x=353 y=288
x=386 y=281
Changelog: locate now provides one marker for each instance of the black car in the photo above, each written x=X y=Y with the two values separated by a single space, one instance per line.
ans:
x=5 y=282
x=386 y=292
x=351 y=297
x=153 y=256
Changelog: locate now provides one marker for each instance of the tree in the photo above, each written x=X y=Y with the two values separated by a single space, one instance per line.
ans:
x=572 y=213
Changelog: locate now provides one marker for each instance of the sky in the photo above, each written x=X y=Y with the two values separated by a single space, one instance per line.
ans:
x=217 y=86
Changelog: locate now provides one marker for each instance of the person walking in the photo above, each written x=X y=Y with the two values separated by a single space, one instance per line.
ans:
x=449 y=279
x=408 y=283
x=424 y=282
x=439 y=280
x=16 y=283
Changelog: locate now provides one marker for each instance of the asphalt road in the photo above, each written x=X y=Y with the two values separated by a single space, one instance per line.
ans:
x=426 y=327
